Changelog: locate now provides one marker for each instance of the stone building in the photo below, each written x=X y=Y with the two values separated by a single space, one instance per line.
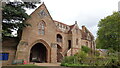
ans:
x=46 y=40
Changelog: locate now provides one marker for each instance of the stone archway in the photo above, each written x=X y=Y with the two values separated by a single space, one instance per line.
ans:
x=38 y=53
x=42 y=52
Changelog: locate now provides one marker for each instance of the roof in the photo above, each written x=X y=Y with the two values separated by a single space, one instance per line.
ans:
x=85 y=31
x=70 y=26
x=60 y=23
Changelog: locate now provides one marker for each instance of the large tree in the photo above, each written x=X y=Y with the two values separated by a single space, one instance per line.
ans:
x=109 y=32
x=14 y=16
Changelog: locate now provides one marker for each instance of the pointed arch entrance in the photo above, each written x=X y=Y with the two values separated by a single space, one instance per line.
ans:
x=38 y=53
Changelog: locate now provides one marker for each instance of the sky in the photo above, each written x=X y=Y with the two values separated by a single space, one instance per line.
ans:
x=85 y=12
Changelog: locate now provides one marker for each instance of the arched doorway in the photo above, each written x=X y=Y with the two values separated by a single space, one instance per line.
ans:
x=38 y=53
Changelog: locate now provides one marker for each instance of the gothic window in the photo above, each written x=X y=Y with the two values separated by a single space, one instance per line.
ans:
x=41 y=28
x=42 y=13
x=59 y=38
x=77 y=41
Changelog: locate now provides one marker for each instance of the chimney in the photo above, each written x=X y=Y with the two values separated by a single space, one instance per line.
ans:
x=75 y=22
x=83 y=28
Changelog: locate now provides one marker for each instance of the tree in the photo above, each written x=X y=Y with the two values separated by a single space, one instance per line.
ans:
x=109 y=32
x=14 y=16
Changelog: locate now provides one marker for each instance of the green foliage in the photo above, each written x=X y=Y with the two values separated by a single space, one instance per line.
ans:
x=14 y=16
x=81 y=59
x=70 y=60
x=113 y=62
x=97 y=53
x=81 y=55
x=85 y=49
x=110 y=50
x=109 y=32
x=70 y=65
x=74 y=60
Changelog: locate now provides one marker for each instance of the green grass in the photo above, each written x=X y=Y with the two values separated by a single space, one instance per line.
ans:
x=70 y=65
x=24 y=66
x=27 y=65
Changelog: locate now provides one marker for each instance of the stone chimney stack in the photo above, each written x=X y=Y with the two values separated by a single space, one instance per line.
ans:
x=83 y=28
x=75 y=22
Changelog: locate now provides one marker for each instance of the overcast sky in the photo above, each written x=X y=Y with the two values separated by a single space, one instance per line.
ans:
x=85 y=12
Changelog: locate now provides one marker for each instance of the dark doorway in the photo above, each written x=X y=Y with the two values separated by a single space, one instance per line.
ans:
x=69 y=44
x=59 y=55
x=38 y=53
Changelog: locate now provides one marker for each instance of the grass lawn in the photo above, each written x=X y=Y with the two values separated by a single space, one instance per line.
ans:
x=24 y=66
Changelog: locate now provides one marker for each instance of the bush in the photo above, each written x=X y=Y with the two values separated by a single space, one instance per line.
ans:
x=74 y=60
x=81 y=55
x=86 y=49
x=113 y=62
x=97 y=53
x=70 y=60
x=82 y=59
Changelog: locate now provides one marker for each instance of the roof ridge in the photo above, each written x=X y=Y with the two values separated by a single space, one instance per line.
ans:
x=37 y=8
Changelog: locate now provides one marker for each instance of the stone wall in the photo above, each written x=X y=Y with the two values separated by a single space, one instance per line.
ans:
x=9 y=45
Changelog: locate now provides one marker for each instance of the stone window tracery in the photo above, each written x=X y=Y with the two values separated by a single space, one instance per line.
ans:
x=41 y=28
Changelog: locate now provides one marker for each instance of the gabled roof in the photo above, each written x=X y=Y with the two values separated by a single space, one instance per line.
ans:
x=45 y=8
x=70 y=26
x=85 y=31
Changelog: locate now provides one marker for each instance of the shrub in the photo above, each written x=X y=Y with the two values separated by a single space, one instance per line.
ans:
x=70 y=60
x=113 y=62
x=97 y=53
x=81 y=55
x=86 y=49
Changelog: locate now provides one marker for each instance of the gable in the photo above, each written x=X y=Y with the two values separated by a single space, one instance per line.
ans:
x=40 y=15
x=75 y=27
x=41 y=12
